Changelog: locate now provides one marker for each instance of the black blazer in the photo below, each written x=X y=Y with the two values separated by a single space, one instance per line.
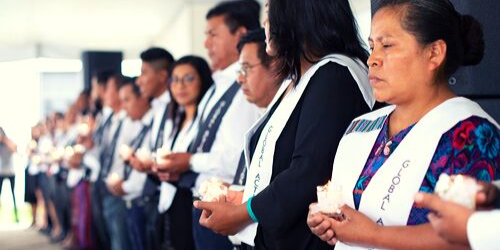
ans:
x=304 y=158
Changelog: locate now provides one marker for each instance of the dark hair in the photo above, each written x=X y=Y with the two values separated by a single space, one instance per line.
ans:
x=103 y=76
x=258 y=37
x=203 y=70
x=237 y=13
x=312 y=29
x=432 y=20
x=159 y=58
x=130 y=81
x=85 y=92
x=118 y=80
x=58 y=115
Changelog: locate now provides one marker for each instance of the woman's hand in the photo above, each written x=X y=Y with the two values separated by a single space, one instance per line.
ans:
x=356 y=228
x=320 y=225
x=223 y=217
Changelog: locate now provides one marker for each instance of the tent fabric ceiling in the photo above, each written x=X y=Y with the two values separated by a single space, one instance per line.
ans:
x=62 y=28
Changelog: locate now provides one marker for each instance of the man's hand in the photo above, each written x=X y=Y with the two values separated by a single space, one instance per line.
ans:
x=86 y=141
x=116 y=188
x=223 y=217
x=234 y=197
x=175 y=163
x=140 y=166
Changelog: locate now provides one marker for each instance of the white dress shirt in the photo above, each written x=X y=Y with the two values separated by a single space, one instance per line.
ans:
x=483 y=230
x=184 y=139
x=74 y=175
x=91 y=157
x=127 y=133
x=134 y=185
x=222 y=160
x=159 y=105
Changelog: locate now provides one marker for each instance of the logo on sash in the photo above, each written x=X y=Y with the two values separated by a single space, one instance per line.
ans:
x=396 y=180
x=365 y=126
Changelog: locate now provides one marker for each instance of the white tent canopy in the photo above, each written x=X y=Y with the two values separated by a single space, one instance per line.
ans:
x=63 y=29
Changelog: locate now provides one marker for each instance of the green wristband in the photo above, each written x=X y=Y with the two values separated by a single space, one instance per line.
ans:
x=250 y=212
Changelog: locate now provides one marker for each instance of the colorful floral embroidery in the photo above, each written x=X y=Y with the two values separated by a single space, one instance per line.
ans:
x=472 y=147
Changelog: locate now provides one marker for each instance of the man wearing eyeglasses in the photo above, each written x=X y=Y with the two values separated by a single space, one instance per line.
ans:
x=258 y=81
x=224 y=114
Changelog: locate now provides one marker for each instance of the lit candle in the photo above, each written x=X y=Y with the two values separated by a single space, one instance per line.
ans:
x=68 y=152
x=113 y=178
x=57 y=154
x=36 y=159
x=144 y=155
x=458 y=189
x=125 y=152
x=32 y=145
x=330 y=198
x=79 y=149
x=212 y=189
x=161 y=155
x=84 y=129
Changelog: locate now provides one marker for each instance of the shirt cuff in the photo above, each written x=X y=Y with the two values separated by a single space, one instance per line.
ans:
x=198 y=161
x=483 y=230
x=127 y=187
x=237 y=188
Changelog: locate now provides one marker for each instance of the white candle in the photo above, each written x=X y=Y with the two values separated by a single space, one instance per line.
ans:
x=330 y=198
x=32 y=145
x=144 y=155
x=84 y=129
x=458 y=189
x=79 y=149
x=68 y=152
x=57 y=154
x=125 y=152
x=113 y=178
x=212 y=189
x=36 y=159
x=161 y=155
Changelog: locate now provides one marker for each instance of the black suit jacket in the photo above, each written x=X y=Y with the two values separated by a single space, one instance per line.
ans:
x=304 y=157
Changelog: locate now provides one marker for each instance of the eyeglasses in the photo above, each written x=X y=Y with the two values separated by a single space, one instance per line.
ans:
x=245 y=68
x=185 y=81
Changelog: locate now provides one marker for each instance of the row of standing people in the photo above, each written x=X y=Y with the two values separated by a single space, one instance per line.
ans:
x=320 y=84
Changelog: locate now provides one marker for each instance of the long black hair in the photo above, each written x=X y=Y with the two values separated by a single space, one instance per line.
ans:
x=201 y=66
x=432 y=20
x=312 y=29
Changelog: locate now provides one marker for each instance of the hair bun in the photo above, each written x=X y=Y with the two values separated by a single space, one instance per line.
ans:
x=472 y=39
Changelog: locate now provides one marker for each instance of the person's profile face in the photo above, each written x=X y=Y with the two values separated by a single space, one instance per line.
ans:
x=265 y=23
x=151 y=80
x=220 y=43
x=257 y=82
x=398 y=64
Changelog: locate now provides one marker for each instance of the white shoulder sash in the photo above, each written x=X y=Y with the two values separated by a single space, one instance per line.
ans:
x=389 y=197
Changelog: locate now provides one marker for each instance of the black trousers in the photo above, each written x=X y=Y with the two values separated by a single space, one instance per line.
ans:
x=177 y=221
x=12 y=180
x=30 y=185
